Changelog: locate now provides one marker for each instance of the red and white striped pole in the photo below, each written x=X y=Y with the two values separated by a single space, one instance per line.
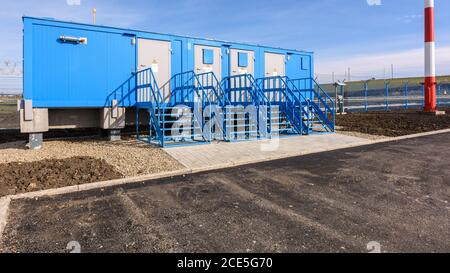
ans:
x=430 y=58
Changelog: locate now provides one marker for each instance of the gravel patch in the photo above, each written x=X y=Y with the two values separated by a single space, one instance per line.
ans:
x=130 y=157
x=358 y=134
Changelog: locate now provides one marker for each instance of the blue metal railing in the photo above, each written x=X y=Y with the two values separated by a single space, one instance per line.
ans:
x=297 y=98
x=322 y=104
x=392 y=96
x=125 y=94
x=185 y=88
x=278 y=91
x=217 y=94
x=149 y=94
x=243 y=90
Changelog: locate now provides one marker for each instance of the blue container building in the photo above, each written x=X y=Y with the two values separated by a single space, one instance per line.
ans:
x=83 y=76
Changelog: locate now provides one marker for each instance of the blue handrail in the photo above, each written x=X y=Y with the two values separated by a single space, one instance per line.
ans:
x=320 y=94
x=244 y=83
x=218 y=93
x=279 y=83
x=147 y=91
x=149 y=81
x=323 y=99
x=243 y=89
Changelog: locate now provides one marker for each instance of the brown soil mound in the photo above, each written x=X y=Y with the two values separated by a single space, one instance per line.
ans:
x=393 y=123
x=20 y=177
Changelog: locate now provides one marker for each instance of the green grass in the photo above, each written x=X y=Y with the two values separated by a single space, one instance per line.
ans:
x=7 y=108
x=8 y=104
x=380 y=84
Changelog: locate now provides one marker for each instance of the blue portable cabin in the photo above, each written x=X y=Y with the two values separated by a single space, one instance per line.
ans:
x=79 y=67
x=60 y=74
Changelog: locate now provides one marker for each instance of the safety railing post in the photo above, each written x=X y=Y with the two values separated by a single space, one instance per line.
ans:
x=137 y=123
x=439 y=95
x=210 y=122
x=162 y=136
x=366 y=87
x=423 y=96
x=150 y=129
x=406 y=95
x=387 y=96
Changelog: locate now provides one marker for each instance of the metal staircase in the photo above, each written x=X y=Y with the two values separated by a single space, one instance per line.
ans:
x=292 y=105
x=176 y=116
x=198 y=108
x=247 y=114
x=321 y=106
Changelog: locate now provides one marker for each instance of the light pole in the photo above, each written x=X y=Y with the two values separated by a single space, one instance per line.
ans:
x=94 y=16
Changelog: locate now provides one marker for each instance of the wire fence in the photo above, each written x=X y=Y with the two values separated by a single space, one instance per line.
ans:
x=391 y=96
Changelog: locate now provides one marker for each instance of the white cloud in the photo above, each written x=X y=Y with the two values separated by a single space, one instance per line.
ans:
x=410 y=18
x=73 y=2
x=374 y=2
x=406 y=63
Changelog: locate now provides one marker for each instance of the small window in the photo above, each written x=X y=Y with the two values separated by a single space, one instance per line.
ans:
x=208 y=56
x=242 y=59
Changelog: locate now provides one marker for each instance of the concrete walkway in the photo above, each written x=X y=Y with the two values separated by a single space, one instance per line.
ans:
x=224 y=154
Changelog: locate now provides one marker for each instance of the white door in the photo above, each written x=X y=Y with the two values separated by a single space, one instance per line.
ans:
x=242 y=62
x=156 y=55
x=275 y=65
x=208 y=59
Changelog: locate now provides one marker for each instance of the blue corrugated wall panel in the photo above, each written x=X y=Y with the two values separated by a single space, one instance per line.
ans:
x=72 y=75
x=59 y=75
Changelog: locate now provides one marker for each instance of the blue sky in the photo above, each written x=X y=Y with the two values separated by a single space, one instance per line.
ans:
x=366 y=35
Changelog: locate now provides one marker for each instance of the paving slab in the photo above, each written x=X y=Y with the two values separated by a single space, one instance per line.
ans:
x=236 y=153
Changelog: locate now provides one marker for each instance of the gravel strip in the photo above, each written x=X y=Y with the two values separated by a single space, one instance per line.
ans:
x=358 y=134
x=129 y=157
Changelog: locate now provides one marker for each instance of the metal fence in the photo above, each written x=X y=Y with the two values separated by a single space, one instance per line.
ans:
x=390 y=97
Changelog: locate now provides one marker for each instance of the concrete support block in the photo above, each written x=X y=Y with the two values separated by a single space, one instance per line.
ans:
x=114 y=135
x=28 y=110
x=112 y=118
x=38 y=122
x=35 y=141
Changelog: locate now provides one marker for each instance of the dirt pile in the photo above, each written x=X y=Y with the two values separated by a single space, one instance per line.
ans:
x=393 y=123
x=19 y=177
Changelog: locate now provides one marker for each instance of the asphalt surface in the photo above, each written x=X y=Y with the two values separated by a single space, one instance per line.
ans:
x=395 y=194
